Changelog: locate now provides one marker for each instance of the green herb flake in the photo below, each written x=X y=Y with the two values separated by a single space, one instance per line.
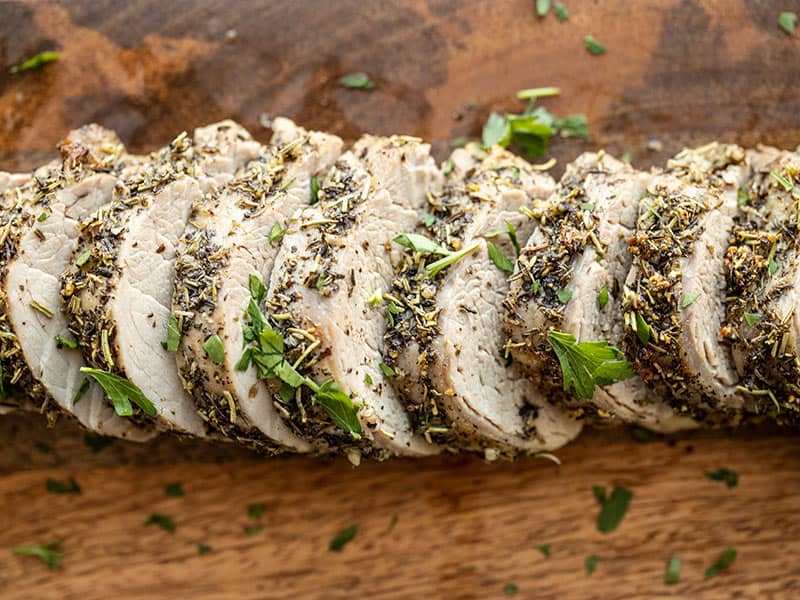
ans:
x=497 y=130
x=788 y=22
x=166 y=523
x=421 y=244
x=253 y=529
x=84 y=257
x=256 y=510
x=42 y=217
x=688 y=299
x=173 y=335
x=121 y=392
x=742 y=197
x=203 y=549
x=428 y=219
x=542 y=7
x=214 y=349
x=731 y=478
x=257 y=288
x=448 y=168
x=723 y=562
x=314 y=190
x=544 y=549
x=434 y=268
x=357 y=81
x=376 y=298
x=642 y=329
x=339 y=407
x=588 y=364
x=35 y=62
x=367 y=378
x=612 y=508
x=50 y=553
x=500 y=260
x=752 y=318
x=96 y=442
x=592 y=46
x=344 y=537
x=173 y=490
x=387 y=370
x=511 y=589
x=564 y=296
x=512 y=235
x=785 y=183
x=82 y=389
x=591 y=563
x=59 y=487
x=673 y=574
x=66 y=342
x=772 y=267
x=602 y=297
x=277 y=232
x=562 y=14
x=587 y=206
x=540 y=92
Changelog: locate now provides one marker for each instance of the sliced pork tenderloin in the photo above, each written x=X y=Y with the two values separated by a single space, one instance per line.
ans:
x=445 y=340
x=763 y=278
x=118 y=291
x=324 y=299
x=675 y=292
x=231 y=237
x=569 y=278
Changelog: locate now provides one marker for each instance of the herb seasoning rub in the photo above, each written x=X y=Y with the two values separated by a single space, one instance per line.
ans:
x=569 y=279
x=674 y=296
x=226 y=250
x=444 y=340
x=118 y=291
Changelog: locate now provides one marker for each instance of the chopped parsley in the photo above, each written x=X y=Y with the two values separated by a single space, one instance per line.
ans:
x=688 y=299
x=173 y=490
x=627 y=157
x=84 y=257
x=66 y=342
x=357 y=81
x=602 y=297
x=511 y=589
x=36 y=62
x=731 y=478
x=588 y=364
x=448 y=168
x=50 y=553
x=788 y=22
x=428 y=219
x=592 y=46
x=642 y=329
x=81 y=392
x=562 y=14
x=673 y=574
x=173 y=335
x=723 y=562
x=591 y=563
x=772 y=267
x=96 y=442
x=542 y=7
x=277 y=232
x=742 y=197
x=256 y=510
x=203 y=549
x=121 y=392
x=612 y=508
x=59 y=487
x=367 y=378
x=752 y=318
x=314 y=190
x=421 y=244
x=257 y=289
x=166 y=523
x=544 y=549
x=214 y=349
x=253 y=529
x=42 y=217
x=564 y=296
x=387 y=370
x=344 y=537
x=500 y=260
x=785 y=183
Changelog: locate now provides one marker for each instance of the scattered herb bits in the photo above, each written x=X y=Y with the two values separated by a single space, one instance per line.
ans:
x=542 y=7
x=592 y=46
x=723 y=562
x=173 y=335
x=66 y=342
x=752 y=318
x=59 y=487
x=277 y=232
x=612 y=508
x=788 y=22
x=673 y=574
x=544 y=549
x=164 y=522
x=731 y=478
x=50 y=553
x=344 y=537
x=500 y=260
x=36 y=62
x=564 y=296
x=203 y=549
x=511 y=589
x=689 y=299
x=561 y=12
x=173 y=490
x=214 y=349
x=591 y=563
x=256 y=510
x=357 y=81
x=602 y=297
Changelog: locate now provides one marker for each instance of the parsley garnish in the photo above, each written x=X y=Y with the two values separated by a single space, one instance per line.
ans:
x=173 y=335
x=214 y=348
x=785 y=183
x=591 y=563
x=166 y=523
x=562 y=14
x=314 y=190
x=387 y=370
x=255 y=511
x=673 y=575
x=626 y=157
x=203 y=549
x=500 y=260
x=59 y=487
x=723 y=562
x=357 y=81
x=121 y=392
x=277 y=232
x=602 y=297
x=788 y=22
x=66 y=342
x=344 y=537
x=642 y=329
x=612 y=508
x=731 y=478
x=543 y=7
x=511 y=589
x=96 y=442
x=35 y=62
x=544 y=549
x=84 y=387
x=742 y=197
x=173 y=490
x=752 y=318
x=84 y=257
x=367 y=378
x=772 y=267
x=421 y=244
x=257 y=289
x=593 y=47
x=42 y=217
x=448 y=168
x=588 y=364
x=564 y=296
x=688 y=299
x=49 y=553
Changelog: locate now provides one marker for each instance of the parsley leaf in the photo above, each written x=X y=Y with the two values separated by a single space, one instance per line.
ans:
x=357 y=81
x=256 y=510
x=612 y=508
x=121 y=392
x=387 y=370
x=562 y=14
x=35 y=62
x=50 y=553
x=544 y=549
x=58 y=487
x=511 y=589
x=723 y=562
x=602 y=297
x=277 y=232
x=742 y=197
x=642 y=329
x=203 y=549
x=731 y=478
x=788 y=22
x=500 y=260
x=573 y=126
x=214 y=348
x=436 y=267
x=564 y=296
x=173 y=490
x=688 y=299
x=593 y=47
x=542 y=7
x=752 y=318
x=66 y=342
x=344 y=537
x=339 y=407
x=591 y=563
x=673 y=575
x=496 y=130
x=166 y=523
x=173 y=335
x=588 y=364
x=257 y=288
x=421 y=244
x=314 y=190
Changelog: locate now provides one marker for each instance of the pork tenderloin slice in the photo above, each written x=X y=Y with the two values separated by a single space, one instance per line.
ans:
x=118 y=291
x=230 y=237
x=445 y=337
x=581 y=249
x=333 y=263
x=763 y=279
x=675 y=292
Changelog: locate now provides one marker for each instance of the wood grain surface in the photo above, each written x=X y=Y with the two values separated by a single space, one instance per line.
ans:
x=678 y=71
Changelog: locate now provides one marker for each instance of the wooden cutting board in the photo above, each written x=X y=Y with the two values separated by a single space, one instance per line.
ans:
x=676 y=71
